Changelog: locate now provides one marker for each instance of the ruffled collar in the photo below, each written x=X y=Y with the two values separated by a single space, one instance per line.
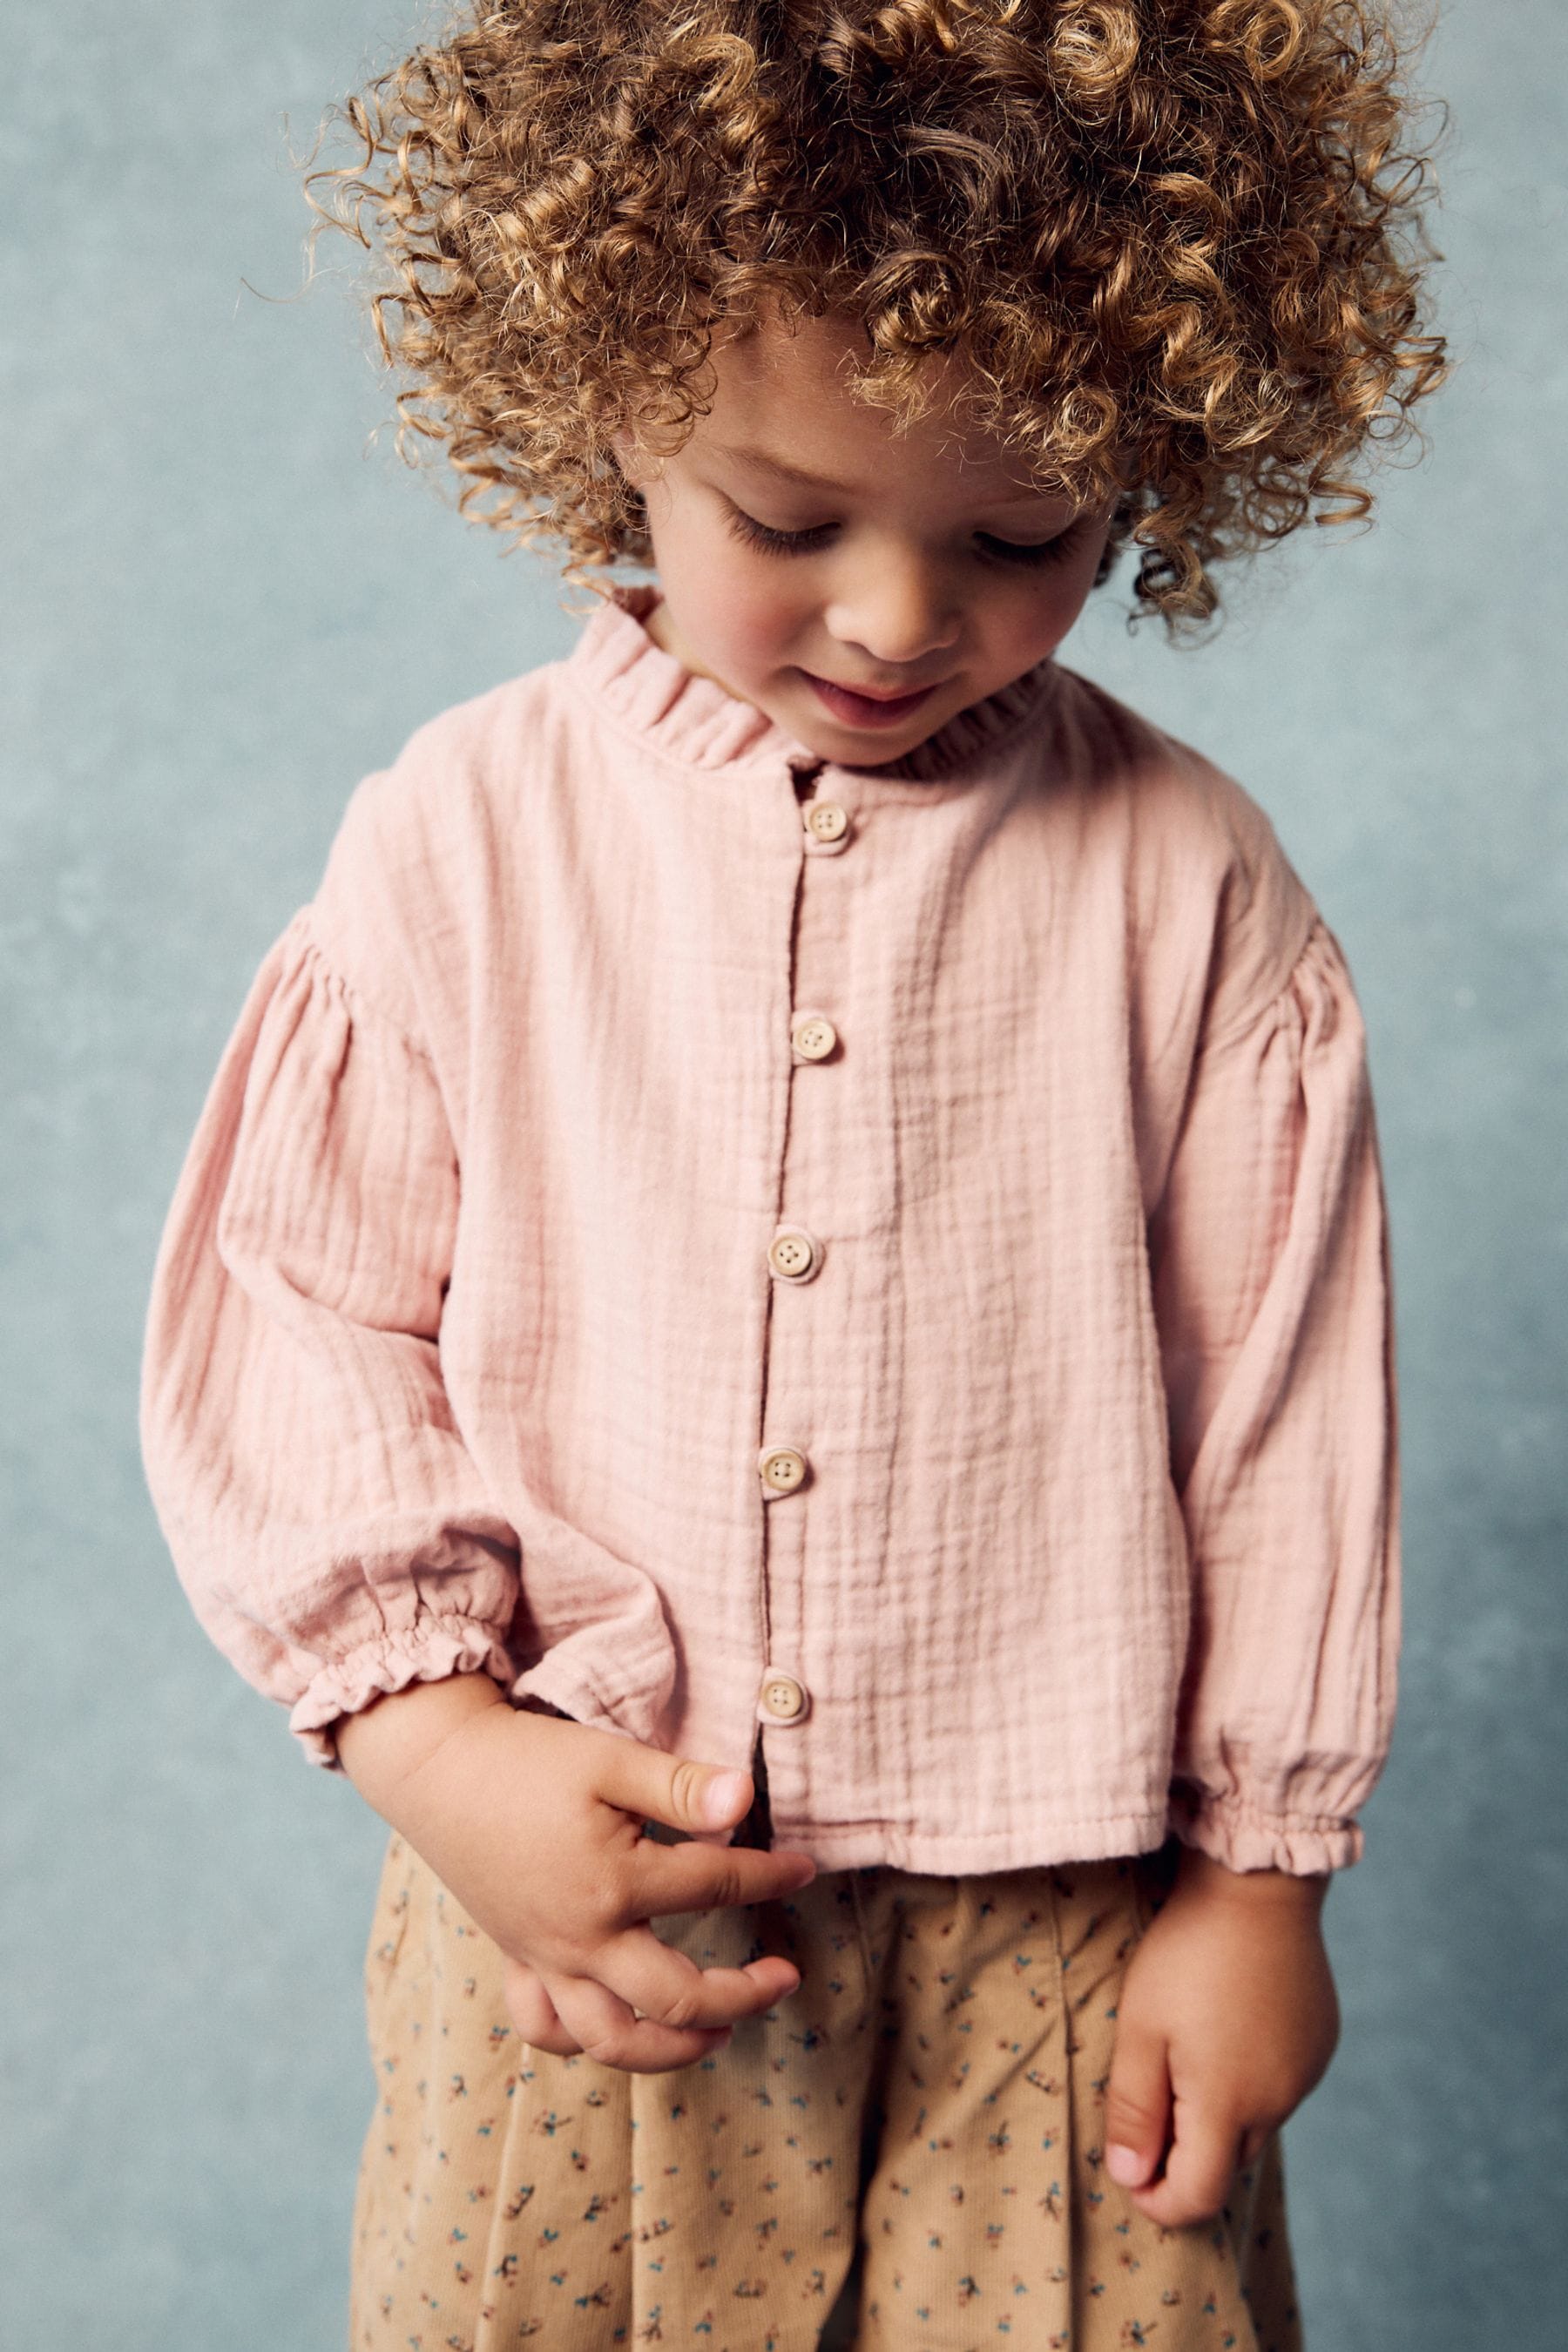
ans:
x=701 y=724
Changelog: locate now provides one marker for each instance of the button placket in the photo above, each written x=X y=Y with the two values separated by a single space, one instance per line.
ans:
x=794 y=1256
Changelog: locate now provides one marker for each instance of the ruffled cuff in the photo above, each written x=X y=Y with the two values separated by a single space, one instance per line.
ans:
x=1241 y=1837
x=426 y=1652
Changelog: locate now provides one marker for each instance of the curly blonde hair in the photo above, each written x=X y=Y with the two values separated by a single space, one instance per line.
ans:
x=1180 y=244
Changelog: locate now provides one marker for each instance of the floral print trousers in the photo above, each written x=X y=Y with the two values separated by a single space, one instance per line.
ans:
x=906 y=2152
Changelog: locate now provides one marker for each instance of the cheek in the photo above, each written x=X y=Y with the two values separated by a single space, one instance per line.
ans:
x=1062 y=595
x=746 y=604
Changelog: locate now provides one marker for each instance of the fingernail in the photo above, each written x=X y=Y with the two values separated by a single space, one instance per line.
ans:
x=720 y=1797
x=1125 y=2166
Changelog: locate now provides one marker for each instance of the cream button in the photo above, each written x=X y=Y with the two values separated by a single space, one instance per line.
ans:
x=827 y=820
x=781 y=1469
x=794 y=1255
x=782 y=1699
x=814 y=1038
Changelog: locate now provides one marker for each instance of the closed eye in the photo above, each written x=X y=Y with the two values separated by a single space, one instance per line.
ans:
x=991 y=550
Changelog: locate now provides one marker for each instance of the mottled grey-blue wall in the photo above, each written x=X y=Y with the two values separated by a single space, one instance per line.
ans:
x=222 y=608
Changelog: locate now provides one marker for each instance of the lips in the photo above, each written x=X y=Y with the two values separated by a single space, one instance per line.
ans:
x=876 y=693
x=862 y=710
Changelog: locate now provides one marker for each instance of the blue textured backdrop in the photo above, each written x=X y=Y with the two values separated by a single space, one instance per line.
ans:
x=222 y=606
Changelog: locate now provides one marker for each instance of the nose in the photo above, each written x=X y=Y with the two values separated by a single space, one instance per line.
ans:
x=896 y=614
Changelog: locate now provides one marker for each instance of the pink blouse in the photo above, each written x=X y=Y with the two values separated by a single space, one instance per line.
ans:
x=885 y=1261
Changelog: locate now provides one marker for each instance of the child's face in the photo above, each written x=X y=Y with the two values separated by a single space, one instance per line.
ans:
x=900 y=584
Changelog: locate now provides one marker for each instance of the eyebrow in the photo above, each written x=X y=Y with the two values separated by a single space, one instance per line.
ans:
x=761 y=462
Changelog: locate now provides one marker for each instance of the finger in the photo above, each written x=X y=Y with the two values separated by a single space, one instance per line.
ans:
x=606 y=2028
x=1137 y=2106
x=667 y=1986
x=685 y=1795
x=667 y=1879
x=534 y=2013
x=1199 y=2169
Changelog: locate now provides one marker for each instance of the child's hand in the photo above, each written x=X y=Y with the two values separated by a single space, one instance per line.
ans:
x=1227 y=2019
x=535 y=1826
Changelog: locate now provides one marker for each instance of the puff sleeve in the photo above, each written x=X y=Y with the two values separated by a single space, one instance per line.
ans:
x=1271 y=1284
x=330 y=1529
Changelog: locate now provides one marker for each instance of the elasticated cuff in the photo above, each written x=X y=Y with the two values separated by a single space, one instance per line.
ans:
x=426 y=1652
x=1242 y=1838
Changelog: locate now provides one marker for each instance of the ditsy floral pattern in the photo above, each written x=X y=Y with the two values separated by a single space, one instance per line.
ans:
x=906 y=2153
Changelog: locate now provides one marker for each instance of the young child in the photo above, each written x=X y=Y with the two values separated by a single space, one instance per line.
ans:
x=777 y=1323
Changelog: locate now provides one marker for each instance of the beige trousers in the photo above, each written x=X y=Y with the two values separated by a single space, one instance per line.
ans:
x=905 y=2153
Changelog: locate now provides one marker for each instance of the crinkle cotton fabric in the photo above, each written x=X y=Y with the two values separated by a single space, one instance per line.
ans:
x=907 y=2155
x=468 y=1338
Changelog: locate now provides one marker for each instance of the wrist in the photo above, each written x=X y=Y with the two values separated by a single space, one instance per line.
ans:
x=398 y=1733
x=1200 y=1878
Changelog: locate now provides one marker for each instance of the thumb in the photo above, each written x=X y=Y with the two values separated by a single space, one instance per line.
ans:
x=674 y=1790
x=713 y=1797
x=1137 y=2107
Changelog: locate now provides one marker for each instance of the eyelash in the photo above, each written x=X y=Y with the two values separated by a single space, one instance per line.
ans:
x=1007 y=552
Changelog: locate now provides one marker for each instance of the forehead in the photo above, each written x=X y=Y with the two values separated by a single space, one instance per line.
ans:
x=783 y=412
